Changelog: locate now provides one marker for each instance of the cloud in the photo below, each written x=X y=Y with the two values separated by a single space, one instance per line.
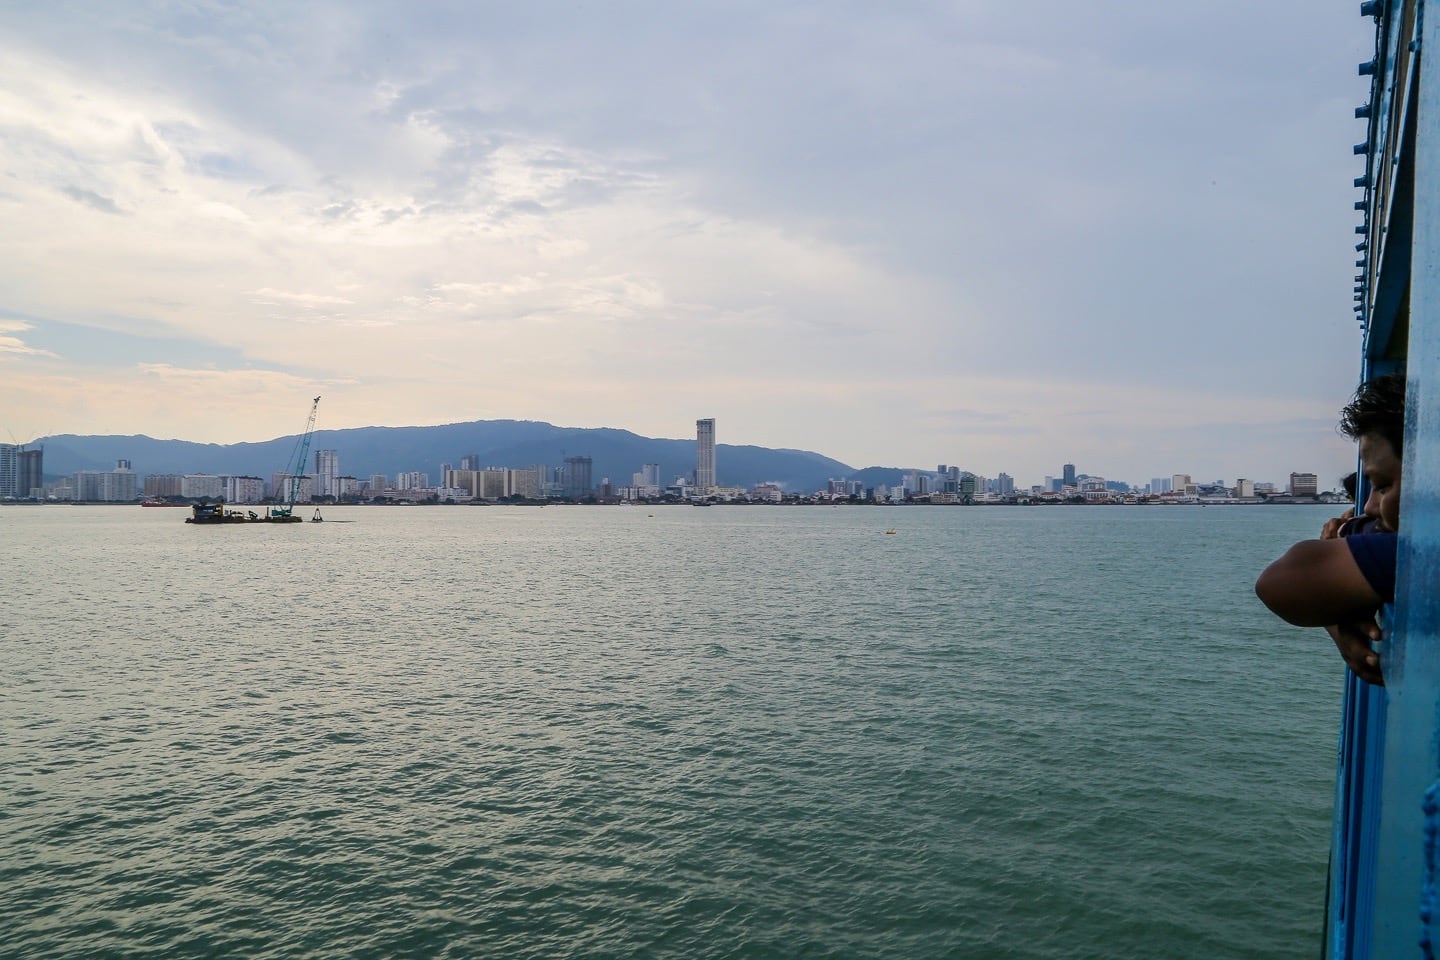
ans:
x=92 y=199
x=15 y=346
x=270 y=296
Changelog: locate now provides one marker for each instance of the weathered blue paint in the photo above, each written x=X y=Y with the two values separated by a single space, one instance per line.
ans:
x=1412 y=657
x=1351 y=895
x=1384 y=895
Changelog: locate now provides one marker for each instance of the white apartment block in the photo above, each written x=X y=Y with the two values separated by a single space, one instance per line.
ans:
x=244 y=489
x=202 y=486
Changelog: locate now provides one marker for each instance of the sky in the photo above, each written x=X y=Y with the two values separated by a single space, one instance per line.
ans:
x=1117 y=233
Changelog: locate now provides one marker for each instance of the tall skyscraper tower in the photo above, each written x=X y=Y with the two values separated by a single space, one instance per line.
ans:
x=32 y=472
x=327 y=468
x=9 y=470
x=1069 y=475
x=576 y=477
x=705 y=455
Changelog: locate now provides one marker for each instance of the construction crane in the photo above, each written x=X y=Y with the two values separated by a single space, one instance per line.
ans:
x=297 y=472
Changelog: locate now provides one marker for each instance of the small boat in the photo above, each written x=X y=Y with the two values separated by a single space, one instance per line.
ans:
x=889 y=533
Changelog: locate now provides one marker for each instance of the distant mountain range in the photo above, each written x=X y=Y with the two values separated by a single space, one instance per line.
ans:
x=616 y=454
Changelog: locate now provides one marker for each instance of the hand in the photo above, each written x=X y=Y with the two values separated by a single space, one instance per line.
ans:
x=1331 y=530
x=1353 y=641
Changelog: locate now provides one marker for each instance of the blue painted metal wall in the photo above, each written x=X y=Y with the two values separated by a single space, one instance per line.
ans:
x=1384 y=896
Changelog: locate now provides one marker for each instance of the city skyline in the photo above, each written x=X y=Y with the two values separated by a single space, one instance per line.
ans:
x=573 y=476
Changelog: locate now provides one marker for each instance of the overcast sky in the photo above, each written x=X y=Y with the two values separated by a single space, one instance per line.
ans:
x=1005 y=236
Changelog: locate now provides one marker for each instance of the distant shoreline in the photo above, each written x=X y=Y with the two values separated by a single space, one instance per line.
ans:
x=1275 y=502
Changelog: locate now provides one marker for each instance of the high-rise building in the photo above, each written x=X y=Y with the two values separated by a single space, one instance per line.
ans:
x=32 y=473
x=9 y=470
x=705 y=455
x=244 y=489
x=327 y=468
x=105 y=486
x=1159 y=485
x=490 y=484
x=523 y=483
x=1068 y=472
x=575 y=477
x=164 y=485
x=281 y=484
x=202 y=486
x=1304 y=485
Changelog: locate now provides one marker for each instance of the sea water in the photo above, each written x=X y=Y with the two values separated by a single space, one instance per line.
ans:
x=520 y=732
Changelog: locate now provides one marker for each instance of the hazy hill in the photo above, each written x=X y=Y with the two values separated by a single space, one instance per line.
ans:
x=616 y=454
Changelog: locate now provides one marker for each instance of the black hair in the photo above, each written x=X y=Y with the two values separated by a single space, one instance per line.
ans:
x=1378 y=409
x=1349 y=484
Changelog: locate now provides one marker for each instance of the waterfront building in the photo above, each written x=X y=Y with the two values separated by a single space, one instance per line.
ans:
x=9 y=470
x=378 y=482
x=280 y=487
x=202 y=486
x=1004 y=485
x=105 y=486
x=1094 y=490
x=1068 y=475
x=32 y=474
x=705 y=455
x=1159 y=485
x=327 y=469
x=575 y=477
x=1179 y=481
x=1304 y=485
x=490 y=484
x=164 y=485
x=772 y=492
x=1244 y=488
x=523 y=483
x=244 y=489
x=412 y=480
x=462 y=479
x=969 y=485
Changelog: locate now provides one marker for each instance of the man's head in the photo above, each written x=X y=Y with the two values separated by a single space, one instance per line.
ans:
x=1376 y=418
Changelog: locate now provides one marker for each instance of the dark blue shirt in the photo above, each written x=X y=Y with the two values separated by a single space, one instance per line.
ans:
x=1374 y=554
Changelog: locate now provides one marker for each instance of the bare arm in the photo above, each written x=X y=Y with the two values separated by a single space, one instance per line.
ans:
x=1317 y=584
